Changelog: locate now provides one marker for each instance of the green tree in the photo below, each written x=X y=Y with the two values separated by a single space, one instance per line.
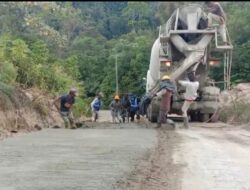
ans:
x=137 y=14
x=40 y=52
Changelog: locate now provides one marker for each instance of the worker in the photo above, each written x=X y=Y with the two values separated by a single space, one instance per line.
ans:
x=190 y=95
x=134 y=106
x=115 y=108
x=137 y=113
x=125 y=104
x=65 y=109
x=216 y=13
x=166 y=91
x=95 y=107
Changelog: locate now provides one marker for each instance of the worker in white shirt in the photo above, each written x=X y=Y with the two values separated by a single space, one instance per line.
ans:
x=190 y=95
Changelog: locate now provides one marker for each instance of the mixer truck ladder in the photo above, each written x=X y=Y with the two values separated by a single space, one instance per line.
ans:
x=228 y=53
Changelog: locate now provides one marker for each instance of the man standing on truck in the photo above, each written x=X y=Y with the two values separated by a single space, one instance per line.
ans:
x=65 y=109
x=167 y=88
x=190 y=95
x=216 y=13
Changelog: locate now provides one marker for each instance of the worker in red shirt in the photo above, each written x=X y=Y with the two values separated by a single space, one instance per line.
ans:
x=166 y=91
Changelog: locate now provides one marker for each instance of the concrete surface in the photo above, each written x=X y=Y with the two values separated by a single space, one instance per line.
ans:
x=129 y=157
x=214 y=159
x=208 y=156
x=64 y=159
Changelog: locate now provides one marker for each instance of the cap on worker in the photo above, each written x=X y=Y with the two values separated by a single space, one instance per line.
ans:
x=73 y=91
x=165 y=77
x=117 y=97
x=100 y=94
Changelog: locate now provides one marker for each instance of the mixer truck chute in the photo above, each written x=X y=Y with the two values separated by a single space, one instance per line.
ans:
x=185 y=44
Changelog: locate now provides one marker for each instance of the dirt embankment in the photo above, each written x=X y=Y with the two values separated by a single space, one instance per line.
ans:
x=24 y=111
x=239 y=93
x=235 y=104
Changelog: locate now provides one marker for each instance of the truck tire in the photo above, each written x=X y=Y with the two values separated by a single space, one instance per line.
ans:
x=194 y=116
x=203 y=117
x=152 y=116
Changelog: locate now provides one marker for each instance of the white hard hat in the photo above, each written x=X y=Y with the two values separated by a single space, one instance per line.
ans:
x=73 y=90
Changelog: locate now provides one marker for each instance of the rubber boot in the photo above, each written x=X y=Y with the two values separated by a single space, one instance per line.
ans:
x=185 y=121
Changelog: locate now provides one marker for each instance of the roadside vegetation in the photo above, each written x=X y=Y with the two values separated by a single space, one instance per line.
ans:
x=53 y=46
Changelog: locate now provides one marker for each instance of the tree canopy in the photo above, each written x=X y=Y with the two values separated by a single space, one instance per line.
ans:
x=56 y=45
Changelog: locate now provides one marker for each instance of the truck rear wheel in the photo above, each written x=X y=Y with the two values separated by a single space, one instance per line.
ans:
x=203 y=117
x=194 y=116
x=152 y=116
x=154 y=119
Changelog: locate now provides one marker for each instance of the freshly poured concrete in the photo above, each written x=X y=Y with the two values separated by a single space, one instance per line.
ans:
x=64 y=159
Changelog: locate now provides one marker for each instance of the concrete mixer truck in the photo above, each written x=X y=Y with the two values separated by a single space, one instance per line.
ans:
x=185 y=44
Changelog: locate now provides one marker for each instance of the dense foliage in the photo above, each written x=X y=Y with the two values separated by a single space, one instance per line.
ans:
x=56 y=45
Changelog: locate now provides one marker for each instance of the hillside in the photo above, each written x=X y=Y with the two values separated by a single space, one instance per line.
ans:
x=53 y=46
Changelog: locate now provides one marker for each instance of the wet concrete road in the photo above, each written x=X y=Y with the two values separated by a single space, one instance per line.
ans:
x=210 y=158
x=61 y=159
x=214 y=159
x=140 y=158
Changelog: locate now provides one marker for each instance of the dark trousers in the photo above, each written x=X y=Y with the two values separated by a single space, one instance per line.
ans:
x=132 y=115
x=162 y=117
